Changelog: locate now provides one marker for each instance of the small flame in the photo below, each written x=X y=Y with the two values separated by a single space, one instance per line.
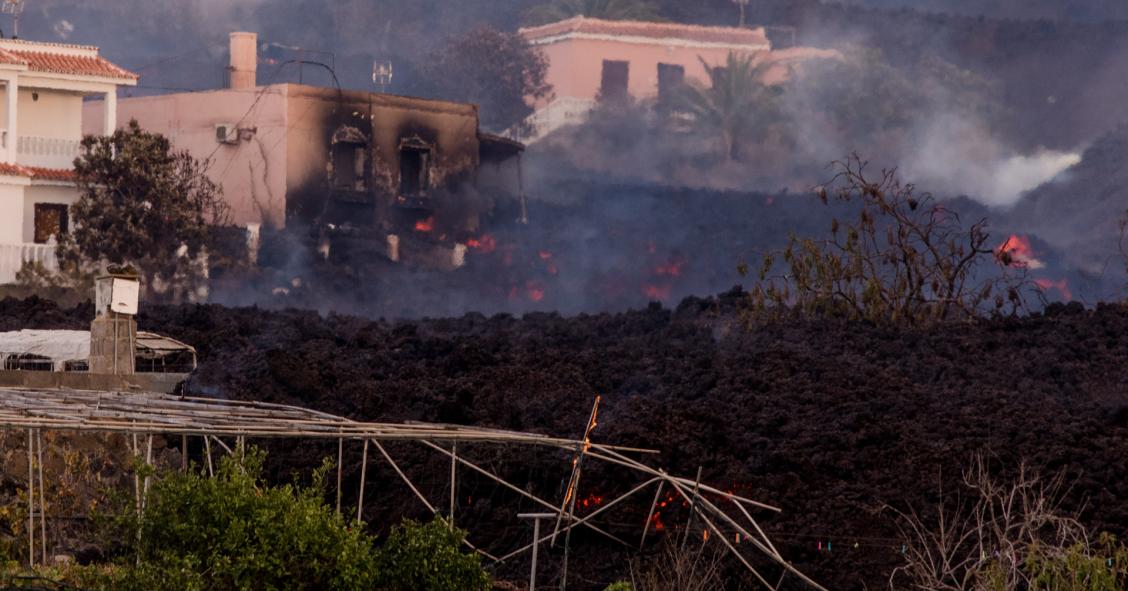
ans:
x=1061 y=286
x=535 y=290
x=426 y=225
x=1017 y=252
x=484 y=244
x=592 y=500
x=657 y=292
x=671 y=269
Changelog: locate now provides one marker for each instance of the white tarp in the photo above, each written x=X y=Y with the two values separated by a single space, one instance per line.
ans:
x=57 y=345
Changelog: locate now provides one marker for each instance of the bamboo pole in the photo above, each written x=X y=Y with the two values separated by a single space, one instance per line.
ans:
x=42 y=498
x=403 y=476
x=692 y=506
x=148 y=477
x=207 y=452
x=363 y=470
x=30 y=499
x=184 y=454
x=340 y=461
x=453 y=465
x=650 y=515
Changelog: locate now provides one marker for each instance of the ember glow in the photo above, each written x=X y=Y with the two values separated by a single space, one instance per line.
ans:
x=1017 y=252
x=657 y=292
x=1061 y=286
x=483 y=244
x=426 y=225
x=673 y=268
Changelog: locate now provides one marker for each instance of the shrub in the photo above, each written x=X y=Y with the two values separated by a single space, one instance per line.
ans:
x=427 y=557
x=232 y=532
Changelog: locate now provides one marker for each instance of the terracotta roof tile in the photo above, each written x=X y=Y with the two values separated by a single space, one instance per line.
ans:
x=581 y=24
x=37 y=173
x=51 y=174
x=57 y=63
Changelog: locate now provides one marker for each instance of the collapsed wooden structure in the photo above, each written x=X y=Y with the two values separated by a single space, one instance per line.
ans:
x=724 y=515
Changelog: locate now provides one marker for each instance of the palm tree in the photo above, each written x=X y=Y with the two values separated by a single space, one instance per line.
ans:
x=736 y=105
x=623 y=10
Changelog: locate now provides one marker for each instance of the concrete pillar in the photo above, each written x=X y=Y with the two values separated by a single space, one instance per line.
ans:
x=12 y=141
x=109 y=115
x=243 y=65
x=113 y=339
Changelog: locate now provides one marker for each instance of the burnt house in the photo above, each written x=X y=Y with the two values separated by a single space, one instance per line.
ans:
x=386 y=168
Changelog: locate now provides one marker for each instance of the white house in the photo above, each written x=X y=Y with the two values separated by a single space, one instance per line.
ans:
x=43 y=87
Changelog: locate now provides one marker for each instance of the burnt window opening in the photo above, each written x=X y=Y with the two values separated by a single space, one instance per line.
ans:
x=616 y=75
x=50 y=220
x=348 y=166
x=415 y=168
x=671 y=81
x=348 y=155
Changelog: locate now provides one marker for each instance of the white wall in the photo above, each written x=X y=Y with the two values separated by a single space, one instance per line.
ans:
x=56 y=114
x=11 y=213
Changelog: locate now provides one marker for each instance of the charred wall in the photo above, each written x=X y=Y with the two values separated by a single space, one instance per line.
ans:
x=376 y=160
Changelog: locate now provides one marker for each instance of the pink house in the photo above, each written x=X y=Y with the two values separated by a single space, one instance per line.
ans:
x=591 y=58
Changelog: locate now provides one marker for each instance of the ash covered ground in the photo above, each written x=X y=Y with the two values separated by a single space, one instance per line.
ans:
x=828 y=420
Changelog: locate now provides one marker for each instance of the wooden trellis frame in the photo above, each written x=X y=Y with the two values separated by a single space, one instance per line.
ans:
x=149 y=414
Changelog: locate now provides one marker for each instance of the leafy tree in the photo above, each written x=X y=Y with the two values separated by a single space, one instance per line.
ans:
x=142 y=205
x=624 y=10
x=427 y=557
x=904 y=259
x=233 y=532
x=736 y=105
x=497 y=70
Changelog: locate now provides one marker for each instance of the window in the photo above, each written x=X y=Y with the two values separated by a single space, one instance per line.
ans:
x=348 y=155
x=615 y=78
x=415 y=168
x=671 y=78
x=50 y=220
x=348 y=166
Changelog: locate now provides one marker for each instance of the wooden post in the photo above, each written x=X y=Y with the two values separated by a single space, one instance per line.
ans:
x=184 y=454
x=453 y=463
x=30 y=498
x=136 y=477
x=363 y=471
x=42 y=499
x=340 y=462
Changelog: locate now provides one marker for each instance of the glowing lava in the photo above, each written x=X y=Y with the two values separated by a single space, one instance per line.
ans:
x=426 y=225
x=1017 y=252
x=1062 y=287
x=484 y=244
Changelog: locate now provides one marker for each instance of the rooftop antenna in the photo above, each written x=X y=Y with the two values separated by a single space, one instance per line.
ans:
x=14 y=8
x=382 y=74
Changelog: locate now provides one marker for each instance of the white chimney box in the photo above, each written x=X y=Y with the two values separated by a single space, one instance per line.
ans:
x=117 y=294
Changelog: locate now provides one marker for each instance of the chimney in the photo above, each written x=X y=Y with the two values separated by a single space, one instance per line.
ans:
x=244 y=61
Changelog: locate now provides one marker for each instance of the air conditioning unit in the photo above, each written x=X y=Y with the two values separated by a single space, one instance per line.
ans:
x=226 y=133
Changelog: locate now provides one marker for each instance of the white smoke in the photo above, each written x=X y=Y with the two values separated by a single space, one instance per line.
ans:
x=955 y=155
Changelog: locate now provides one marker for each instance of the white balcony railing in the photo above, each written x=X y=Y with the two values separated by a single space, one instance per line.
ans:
x=13 y=256
x=50 y=152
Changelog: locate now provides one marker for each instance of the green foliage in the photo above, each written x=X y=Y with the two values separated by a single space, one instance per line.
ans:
x=1103 y=567
x=142 y=204
x=736 y=106
x=494 y=69
x=625 y=10
x=428 y=557
x=619 y=586
x=905 y=260
x=232 y=532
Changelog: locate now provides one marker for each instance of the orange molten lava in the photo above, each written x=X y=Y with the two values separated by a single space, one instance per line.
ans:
x=425 y=225
x=1017 y=252
x=484 y=244
x=592 y=500
x=670 y=269
x=1061 y=286
x=656 y=292
x=534 y=290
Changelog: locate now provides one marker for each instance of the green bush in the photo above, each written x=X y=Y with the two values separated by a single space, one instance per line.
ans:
x=232 y=532
x=428 y=557
x=619 y=586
